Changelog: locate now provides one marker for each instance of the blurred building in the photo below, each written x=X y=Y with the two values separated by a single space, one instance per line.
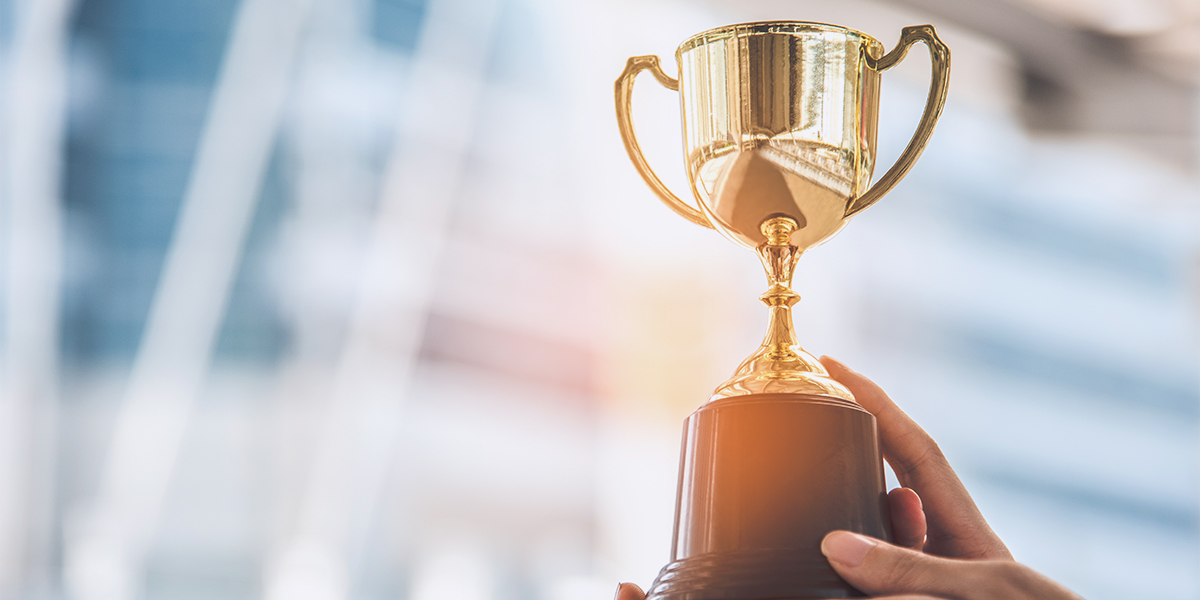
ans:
x=362 y=299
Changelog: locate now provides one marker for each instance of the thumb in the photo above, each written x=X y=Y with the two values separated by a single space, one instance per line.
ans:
x=877 y=567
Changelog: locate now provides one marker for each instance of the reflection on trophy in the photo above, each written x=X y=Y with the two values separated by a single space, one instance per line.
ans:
x=779 y=123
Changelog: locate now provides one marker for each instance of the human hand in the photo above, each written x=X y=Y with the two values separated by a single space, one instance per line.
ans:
x=943 y=547
x=932 y=512
x=887 y=571
x=876 y=567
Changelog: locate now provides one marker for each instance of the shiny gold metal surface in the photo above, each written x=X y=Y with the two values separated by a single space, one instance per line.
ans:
x=780 y=365
x=779 y=127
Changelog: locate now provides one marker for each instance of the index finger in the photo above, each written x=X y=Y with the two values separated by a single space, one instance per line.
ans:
x=956 y=527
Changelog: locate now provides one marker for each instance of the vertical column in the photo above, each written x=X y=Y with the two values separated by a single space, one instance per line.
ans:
x=31 y=148
x=347 y=475
x=104 y=549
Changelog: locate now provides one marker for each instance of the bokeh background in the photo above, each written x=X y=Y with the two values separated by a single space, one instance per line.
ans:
x=357 y=299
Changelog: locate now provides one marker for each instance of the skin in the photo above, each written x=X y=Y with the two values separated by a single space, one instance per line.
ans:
x=944 y=549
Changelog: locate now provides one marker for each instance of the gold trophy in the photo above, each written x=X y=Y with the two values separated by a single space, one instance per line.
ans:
x=779 y=127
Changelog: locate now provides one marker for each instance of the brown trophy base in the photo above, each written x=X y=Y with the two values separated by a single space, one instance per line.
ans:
x=762 y=479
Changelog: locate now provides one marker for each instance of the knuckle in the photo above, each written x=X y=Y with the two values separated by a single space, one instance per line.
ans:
x=906 y=571
x=972 y=541
x=925 y=451
x=1003 y=579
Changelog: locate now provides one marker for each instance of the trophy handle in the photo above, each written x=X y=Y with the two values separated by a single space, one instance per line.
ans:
x=624 y=93
x=939 y=54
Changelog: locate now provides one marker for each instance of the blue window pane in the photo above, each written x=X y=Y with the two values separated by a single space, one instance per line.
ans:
x=396 y=23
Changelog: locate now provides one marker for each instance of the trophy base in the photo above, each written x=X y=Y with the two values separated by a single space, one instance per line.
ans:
x=759 y=574
x=763 y=479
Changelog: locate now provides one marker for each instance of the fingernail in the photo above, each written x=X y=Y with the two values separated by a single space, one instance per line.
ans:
x=920 y=502
x=846 y=548
x=827 y=358
x=618 y=594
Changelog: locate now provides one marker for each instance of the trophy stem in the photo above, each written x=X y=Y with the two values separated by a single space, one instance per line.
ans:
x=779 y=259
x=780 y=365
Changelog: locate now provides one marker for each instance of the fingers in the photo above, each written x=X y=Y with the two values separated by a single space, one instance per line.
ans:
x=629 y=591
x=877 y=567
x=955 y=526
x=908 y=519
x=909 y=450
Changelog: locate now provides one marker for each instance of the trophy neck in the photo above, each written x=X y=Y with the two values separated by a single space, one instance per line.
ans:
x=779 y=260
x=780 y=365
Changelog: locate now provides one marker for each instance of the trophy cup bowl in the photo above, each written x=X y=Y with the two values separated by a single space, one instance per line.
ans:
x=779 y=127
